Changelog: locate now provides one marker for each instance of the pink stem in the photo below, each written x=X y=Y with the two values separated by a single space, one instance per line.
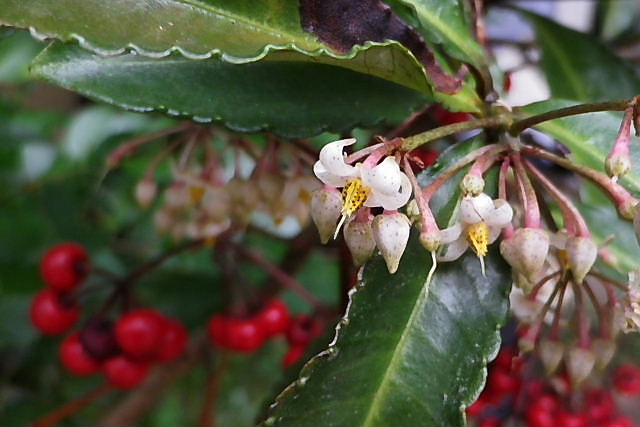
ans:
x=428 y=221
x=507 y=231
x=530 y=202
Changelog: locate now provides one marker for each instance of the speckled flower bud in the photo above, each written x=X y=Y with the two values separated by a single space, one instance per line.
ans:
x=359 y=238
x=551 y=353
x=431 y=240
x=526 y=251
x=391 y=233
x=326 y=207
x=580 y=363
x=145 y=192
x=472 y=185
x=581 y=255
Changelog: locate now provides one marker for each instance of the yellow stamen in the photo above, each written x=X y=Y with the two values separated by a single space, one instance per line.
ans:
x=196 y=194
x=564 y=259
x=354 y=194
x=478 y=237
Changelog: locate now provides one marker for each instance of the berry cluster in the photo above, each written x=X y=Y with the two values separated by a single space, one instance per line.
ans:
x=124 y=350
x=248 y=334
x=514 y=394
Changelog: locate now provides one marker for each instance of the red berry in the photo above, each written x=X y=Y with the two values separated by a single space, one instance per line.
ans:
x=627 y=379
x=303 y=329
x=546 y=402
x=502 y=381
x=542 y=412
x=446 y=117
x=490 y=422
x=122 y=372
x=139 y=332
x=423 y=157
x=599 y=405
x=174 y=341
x=244 y=335
x=98 y=339
x=570 y=419
x=64 y=266
x=75 y=358
x=294 y=354
x=51 y=313
x=619 y=421
x=274 y=318
x=217 y=329
x=505 y=358
x=478 y=406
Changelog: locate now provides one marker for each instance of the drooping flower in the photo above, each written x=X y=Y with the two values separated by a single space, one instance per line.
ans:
x=363 y=184
x=480 y=222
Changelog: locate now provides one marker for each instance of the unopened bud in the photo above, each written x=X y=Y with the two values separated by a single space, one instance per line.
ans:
x=604 y=351
x=580 y=363
x=391 y=233
x=359 y=238
x=145 y=192
x=472 y=185
x=617 y=165
x=581 y=255
x=431 y=240
x=326 y=208
x=526 y=251
x=413 y=212
x=551 y=353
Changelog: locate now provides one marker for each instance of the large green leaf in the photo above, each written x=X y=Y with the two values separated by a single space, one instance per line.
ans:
x=590 y=137
x=579 y=67
x=445 y=23
x=405 y=353
x=235 y=31
x=291 y=98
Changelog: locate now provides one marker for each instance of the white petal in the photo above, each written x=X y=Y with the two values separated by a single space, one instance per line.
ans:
x=327 y=177
x=332 y=157
x=454 y=250
x=494 y=233
x=391 y=201
x=385 y=177
x=468 y=213
x=501 y=215
x=452 y=233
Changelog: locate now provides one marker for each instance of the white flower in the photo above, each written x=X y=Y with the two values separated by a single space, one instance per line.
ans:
x=480 y=222
x=380 y=185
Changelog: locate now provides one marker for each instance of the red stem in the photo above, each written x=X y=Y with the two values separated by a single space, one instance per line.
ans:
x=70 y=408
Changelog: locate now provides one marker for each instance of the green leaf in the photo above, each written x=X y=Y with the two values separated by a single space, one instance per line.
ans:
x=405 y=353
x=236 y=32
x=590 y=137
x=444 y=22
x=579 y=67
x=618 y=19
x=290 y=98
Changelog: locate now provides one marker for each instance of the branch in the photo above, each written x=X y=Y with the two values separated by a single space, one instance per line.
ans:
x=70 y=408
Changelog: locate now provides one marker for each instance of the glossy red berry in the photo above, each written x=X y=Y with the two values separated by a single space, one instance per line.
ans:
x=174 y=341
x=478 y=406
x=570 y=419
x=75 y=358
x=293 y=355
x=123 y=372
x=490 y=422
x=51 y=313
x=99 y=340
x=64 y=266
x=244 y=335
x=303 y=329
x=423 y=157
x=139 y=332
x=446 y=117
x=274 y=318
x=502 y=381
x=599 y=405
x=542 y=412
x=505 y=358
x=217 y=330
x=627 y=379
x=619 y=421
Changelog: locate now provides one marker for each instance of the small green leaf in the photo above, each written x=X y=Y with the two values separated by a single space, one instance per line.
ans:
x=580 y=67
x=444 y=22
x=590 y=137
x=290 y=98
x=405 y=353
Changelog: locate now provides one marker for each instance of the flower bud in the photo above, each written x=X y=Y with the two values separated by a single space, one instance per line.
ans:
x=145 y=192
x=431 y=240
x=326 y=207
x=413 y=212
x=472 y=185
x=551 y=353
x=359 y=238
x=215 y=202
x=604 y=351
x=526 y=251
x=580 y=363
x=581 y=255
x=391 y=233
x=628 y=209
x=617 y=165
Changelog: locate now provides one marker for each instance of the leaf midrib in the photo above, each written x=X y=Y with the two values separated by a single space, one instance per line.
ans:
x=380 y=391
